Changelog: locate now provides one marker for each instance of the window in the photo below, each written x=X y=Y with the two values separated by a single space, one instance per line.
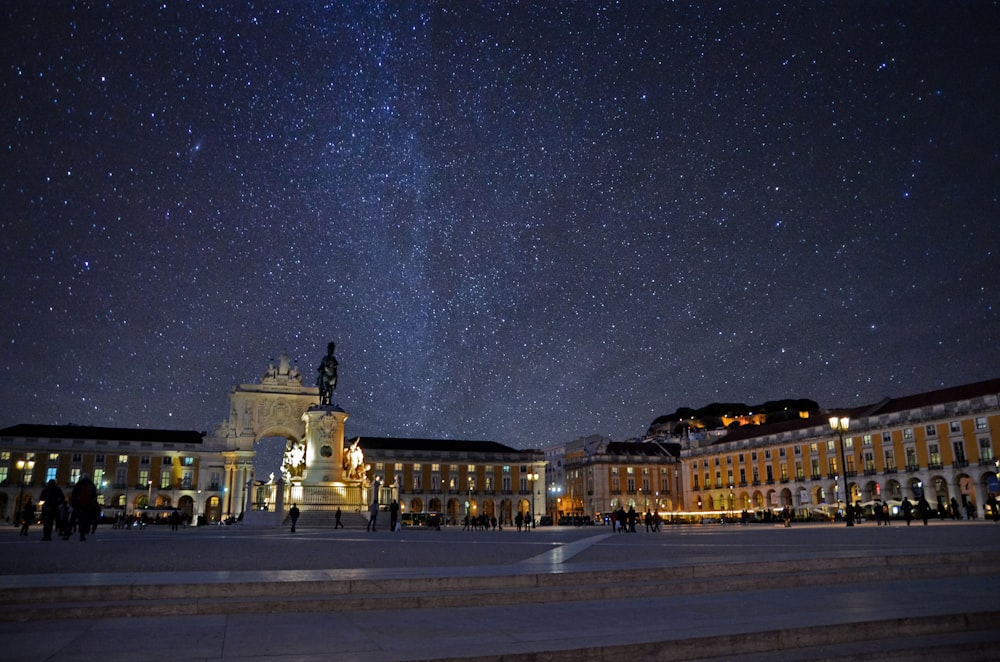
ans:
x=813 y=447
x=907 y=433
x=799 y=474
x=729 y=460
x=695 y=481
x=911 y=458
x=770 y=474
x=866 y=439
x=798 y=451
x=955 y=426
x=50 y=473
x=167 y=461
x=959 y=449
x=616 y=484
x=741 y=458
x=77 y=458
x=645 y=485
x=631 y=485
x=935 y=455
x=781 y=452
x=121 y=476
x=753 y=456
x=832 y=465
x=767 y=455
x=187 y=479
x=756 y=476
x=144 y=460
x=506 y=483
x=188 y=461
x=53 y=457
x=718 y=479
x=4 y=474
x=143 y=477
x=729 y=477
x=890 y=460
x=165 y=480
x=99 y=459
x=743 y=476
x=985 y=449
x=123 y=459
x=831 y=445
x=886 y=437
x=981 y=423
x=870 y=460
x=472 y=468
x=849 y=443
x=930 y=430
x=74 y=475
x=489 y=482
x=784 y=473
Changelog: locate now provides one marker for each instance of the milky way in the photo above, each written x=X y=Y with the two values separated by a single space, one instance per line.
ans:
x=519 y=222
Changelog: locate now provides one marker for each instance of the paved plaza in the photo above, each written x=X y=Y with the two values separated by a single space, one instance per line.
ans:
x=818 y=591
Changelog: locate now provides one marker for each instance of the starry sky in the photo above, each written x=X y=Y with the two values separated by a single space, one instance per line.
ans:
x=522 y=222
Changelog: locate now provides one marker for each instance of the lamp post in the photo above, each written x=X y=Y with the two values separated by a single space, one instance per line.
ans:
x=21 y=464
x=149 y=493
x=840 y=424
x=532 y=477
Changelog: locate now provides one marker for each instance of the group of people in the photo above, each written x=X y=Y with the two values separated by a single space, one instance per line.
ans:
x=623 y=521
x=484 y=523
x=80 y=512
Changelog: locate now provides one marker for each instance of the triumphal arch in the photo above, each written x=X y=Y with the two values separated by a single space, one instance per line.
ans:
x=318 y=471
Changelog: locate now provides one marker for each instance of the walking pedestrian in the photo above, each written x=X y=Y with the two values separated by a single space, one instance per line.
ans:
x=27 y=515
x=84 y=501
x=293 y=515
x=337 y=524
x=393 y=515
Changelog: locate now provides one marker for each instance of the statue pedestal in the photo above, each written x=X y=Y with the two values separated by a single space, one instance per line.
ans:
x=324 y=441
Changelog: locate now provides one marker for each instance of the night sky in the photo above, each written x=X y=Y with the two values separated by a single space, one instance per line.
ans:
x=519 y=222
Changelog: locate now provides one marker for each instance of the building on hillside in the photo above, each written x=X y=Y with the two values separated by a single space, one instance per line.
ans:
x=943 y=445
x=458 y=479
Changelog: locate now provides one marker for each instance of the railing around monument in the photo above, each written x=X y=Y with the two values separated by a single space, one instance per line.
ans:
x=318 y=497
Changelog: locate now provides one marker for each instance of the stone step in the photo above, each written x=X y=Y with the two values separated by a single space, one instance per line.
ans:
x=322 y=591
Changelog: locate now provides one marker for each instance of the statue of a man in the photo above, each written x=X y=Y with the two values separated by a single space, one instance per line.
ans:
x=327 y=378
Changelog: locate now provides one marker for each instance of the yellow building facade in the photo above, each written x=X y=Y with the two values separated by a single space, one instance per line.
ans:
x=942 y=445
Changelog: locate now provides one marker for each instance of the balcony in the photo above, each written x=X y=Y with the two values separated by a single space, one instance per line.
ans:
x=816 y=477
x=958 y=464
x=870 y=472
x=987 y=462
x=851 y=474
x=889 y=470
x=912 y=467
x=935 y=465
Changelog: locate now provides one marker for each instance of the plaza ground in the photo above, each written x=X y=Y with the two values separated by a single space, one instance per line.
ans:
x=817 y=591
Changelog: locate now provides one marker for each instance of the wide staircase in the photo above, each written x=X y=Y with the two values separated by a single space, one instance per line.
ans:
x=935 y=636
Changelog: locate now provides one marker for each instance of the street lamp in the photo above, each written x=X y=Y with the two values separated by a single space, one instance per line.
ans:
x=149 y=493
x=532 y=477
x=21 y=464
x=840 y=424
